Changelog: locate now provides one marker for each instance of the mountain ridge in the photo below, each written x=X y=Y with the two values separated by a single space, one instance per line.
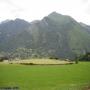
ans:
x=56 y=35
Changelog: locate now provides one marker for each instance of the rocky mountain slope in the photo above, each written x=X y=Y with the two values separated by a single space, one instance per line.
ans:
x=55 y=35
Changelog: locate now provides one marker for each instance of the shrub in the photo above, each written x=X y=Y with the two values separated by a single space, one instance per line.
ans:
x=27 y=63
x=54 y=58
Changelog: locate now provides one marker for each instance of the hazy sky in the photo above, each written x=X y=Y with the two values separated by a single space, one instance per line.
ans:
x=37 y=9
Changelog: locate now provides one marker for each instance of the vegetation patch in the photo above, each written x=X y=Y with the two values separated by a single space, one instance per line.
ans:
x=41 y=62
x=46 y=77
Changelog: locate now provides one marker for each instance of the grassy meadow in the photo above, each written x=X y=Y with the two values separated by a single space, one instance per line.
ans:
x=45 y=77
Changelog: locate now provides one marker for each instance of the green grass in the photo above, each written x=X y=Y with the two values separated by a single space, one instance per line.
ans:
x=47 y=77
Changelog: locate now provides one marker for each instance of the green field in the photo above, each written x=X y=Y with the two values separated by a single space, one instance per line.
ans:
x=46 y=77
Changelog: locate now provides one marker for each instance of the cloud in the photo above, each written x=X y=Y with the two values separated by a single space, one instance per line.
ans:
x=37 y=9
x=84 y=1
x=88 y=9
x=86 y=5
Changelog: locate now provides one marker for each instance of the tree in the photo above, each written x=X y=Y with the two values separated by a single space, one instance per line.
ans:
x=85 y=57
x=76 y=61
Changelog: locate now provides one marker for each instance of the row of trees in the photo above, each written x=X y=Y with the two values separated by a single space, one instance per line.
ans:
x=85 y=57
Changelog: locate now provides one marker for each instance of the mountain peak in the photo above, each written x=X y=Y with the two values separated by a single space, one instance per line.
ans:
x=5 y=21
x=18 y=20
x=54 y=14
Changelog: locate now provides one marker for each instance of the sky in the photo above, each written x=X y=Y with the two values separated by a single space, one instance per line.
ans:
x=37 y=9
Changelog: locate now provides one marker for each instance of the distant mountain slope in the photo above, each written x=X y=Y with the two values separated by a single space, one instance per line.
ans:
x=55 y=35
x=11 y=29
x=87 y=27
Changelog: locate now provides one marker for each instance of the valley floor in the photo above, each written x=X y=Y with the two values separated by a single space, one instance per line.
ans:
x=45 y=77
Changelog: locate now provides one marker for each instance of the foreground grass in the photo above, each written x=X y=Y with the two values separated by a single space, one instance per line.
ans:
x=47 y=77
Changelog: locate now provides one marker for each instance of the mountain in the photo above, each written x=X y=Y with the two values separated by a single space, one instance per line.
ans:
x=56 y=35
x=10 y=29
x=85 y=26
